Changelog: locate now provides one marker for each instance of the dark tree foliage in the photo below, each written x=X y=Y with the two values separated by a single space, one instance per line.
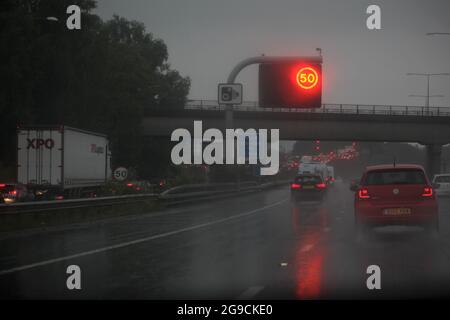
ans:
x=101 y=78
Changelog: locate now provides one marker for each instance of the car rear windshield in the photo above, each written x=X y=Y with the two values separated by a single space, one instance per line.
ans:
x=308 y=179
x=442 y=179
x=399 y=176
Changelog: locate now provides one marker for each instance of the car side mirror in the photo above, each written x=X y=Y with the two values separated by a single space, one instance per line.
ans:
x=436 y=185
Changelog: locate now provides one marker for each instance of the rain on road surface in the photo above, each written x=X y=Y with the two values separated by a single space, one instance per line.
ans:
x=256 y=246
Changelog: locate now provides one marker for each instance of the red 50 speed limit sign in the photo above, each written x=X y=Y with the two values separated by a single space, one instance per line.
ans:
x=307 y=78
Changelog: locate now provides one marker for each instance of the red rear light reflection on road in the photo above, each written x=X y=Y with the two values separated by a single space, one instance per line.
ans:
x=310 y=255
x=295 y=186
x=427 y=192
x=363 y=194
x=321 y=185
x=310 y=276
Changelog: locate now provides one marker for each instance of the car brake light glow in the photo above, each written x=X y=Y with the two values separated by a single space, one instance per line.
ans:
x=321 y=185
x=59 y=197
x=363 y=194
x=427 y=192
x=13 y=192
x=129 y=184
x=2 y=185
x=295 y=186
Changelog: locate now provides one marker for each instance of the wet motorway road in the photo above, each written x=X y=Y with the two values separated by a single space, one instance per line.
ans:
x=257 y=246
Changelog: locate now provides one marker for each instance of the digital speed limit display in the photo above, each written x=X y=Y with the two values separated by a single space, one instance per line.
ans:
x=307 y=78
x=290 y=85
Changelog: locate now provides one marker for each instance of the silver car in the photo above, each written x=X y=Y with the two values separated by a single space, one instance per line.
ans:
x=443 y=181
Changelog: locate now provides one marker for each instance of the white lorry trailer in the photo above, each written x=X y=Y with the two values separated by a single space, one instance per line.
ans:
x=62 y=161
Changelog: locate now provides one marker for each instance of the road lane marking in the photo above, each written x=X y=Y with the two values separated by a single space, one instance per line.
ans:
x=137 y=241
x=250 y=293
x=307 y=248
x=85 y=225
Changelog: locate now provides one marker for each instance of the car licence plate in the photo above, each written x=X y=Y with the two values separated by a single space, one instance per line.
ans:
x=397 y=211
x=308 y=187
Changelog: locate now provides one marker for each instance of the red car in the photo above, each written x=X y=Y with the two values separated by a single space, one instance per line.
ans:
x=15 y=192
x=395 y=195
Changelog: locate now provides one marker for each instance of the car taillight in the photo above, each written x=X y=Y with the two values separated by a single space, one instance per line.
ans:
x=2 y=185
x=13 y=193
x=59 y=197
x=129 y=184
x=427 y=192
x=321 y=185
x=295 y=186
x=363 y=194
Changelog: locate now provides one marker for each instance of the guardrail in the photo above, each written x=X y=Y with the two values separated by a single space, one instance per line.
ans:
x=176 y=195
x=392 y=110
x=41 y=206
x=195 y=192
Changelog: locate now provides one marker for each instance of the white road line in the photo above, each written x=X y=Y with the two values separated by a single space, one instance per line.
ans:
x=137 y=241
x=250 y=293
x=307 y=247
x=84 y=225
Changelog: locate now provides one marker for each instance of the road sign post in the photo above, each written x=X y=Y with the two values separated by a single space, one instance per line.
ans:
x=259 y=60
x=229 y=95
x=230 y=86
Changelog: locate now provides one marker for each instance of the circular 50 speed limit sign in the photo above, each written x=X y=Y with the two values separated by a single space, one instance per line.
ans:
x=120 y=174
x=307 y=78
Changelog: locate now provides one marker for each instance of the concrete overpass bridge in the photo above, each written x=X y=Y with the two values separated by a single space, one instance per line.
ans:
x=427 y=126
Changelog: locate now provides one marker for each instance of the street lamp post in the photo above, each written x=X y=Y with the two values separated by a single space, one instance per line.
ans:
x=428 y=75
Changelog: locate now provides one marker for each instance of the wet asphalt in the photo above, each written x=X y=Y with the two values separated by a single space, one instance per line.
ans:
x=256 y=246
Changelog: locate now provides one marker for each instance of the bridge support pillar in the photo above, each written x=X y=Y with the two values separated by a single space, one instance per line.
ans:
x=434 y=152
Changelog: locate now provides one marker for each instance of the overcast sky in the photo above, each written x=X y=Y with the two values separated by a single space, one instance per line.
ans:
x=206 y=38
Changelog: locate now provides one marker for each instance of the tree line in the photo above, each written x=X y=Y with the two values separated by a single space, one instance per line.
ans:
x=100 y=78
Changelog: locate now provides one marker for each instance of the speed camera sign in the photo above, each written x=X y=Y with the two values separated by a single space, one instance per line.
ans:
x=230 y=93
x=120 y=174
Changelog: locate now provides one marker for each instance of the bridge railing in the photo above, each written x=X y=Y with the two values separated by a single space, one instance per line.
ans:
x=329 y=108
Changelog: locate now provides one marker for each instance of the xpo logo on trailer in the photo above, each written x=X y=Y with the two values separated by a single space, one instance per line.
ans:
x=295 y=84
x=40 y=143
